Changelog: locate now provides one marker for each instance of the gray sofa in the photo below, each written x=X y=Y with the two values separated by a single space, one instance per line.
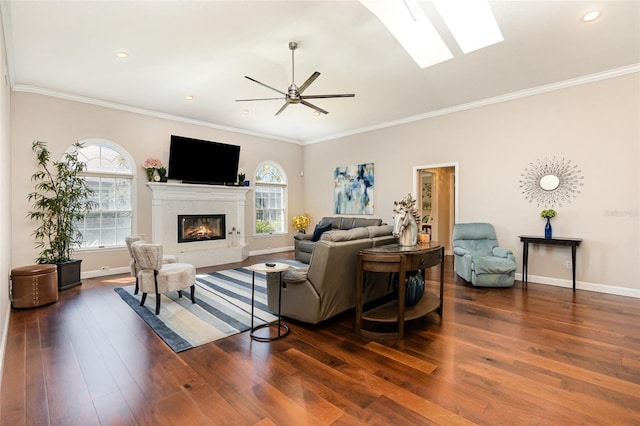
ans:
x=326 y=286
x=303 y=244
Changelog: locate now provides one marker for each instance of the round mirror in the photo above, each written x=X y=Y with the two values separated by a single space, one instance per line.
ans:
x=549 y=182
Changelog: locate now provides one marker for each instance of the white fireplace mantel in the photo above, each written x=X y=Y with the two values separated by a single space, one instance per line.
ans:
x=172 y=199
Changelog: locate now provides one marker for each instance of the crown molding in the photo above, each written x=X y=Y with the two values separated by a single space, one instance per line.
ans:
x=617 y=72
x=142 y=111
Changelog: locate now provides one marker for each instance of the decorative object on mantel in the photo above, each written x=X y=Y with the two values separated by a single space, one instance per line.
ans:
x=152 y=165
x=405 y=219
x=301 y=222
x=548 y=214
x=551 y=182
x=241 y=177
x=162 y=172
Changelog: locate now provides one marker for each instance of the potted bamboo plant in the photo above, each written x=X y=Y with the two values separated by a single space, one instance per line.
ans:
x=59 y=201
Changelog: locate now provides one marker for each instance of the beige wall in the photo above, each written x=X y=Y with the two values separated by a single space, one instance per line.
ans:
x=62 y=122
x=594 y=125
x=5 y=199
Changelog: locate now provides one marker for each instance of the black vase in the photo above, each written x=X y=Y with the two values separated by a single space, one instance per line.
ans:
x=414 y=290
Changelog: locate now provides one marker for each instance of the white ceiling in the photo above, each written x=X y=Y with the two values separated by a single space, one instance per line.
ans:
x=205 y=48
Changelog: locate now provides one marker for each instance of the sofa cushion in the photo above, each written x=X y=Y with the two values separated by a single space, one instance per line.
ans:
x=319 y=230
x=306 y=246
x=378 y=231
x=330 y=220
x=295 y=275
x=356 y=222
x=345 y=235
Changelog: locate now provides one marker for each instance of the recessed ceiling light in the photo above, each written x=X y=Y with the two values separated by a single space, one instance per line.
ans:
x=122 y=54
x=189 y=97
x=591 y=15
x=316 y=113
x=245 y=111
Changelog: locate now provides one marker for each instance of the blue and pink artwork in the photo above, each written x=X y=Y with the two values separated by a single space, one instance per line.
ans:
x=353 y=189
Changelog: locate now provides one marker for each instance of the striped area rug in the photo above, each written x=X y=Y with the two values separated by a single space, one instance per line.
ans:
x=223 y=308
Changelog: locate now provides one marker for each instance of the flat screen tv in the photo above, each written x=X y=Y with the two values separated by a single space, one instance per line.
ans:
x=198 y=161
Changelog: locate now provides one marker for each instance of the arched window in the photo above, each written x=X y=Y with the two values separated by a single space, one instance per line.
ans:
x=271 y=199
x=110 y=174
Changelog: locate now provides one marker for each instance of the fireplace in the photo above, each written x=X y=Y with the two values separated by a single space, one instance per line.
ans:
x=200 y=227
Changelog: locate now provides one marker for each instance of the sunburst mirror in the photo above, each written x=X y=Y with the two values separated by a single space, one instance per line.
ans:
x=551 y=182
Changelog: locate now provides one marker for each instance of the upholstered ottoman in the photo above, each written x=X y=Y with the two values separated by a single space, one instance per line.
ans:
x=34 y=285
x=492 y=271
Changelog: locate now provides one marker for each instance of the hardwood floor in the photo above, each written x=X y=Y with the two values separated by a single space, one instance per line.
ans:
x=541 y=355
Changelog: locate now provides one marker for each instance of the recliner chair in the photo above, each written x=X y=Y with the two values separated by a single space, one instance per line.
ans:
x=478 y=259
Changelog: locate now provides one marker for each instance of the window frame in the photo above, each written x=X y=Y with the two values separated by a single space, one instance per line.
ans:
x=284 y=185
x=133 y=176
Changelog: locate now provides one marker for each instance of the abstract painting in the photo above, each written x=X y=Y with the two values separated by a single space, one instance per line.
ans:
x=353 y=189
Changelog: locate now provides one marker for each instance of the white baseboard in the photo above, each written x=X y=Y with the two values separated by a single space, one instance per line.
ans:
x=581 y=285
x=270 y=251
x=107 y=272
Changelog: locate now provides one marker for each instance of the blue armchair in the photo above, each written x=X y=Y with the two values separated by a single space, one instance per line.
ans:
x=478 y=259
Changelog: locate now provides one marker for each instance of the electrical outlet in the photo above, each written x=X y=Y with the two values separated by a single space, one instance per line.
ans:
x=567 y=264
x=104 y=268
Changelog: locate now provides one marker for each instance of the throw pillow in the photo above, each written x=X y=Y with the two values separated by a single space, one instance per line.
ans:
x=319 y=230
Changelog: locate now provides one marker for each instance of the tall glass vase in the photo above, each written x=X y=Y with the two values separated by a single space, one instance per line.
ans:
x=547 y=229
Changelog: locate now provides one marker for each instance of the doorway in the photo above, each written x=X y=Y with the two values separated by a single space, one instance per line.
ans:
x=437 y=195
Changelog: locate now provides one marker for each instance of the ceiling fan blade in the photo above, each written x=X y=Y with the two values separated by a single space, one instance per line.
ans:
x=286 y=104
x=265 y=85
x=310 y=105
x=310 y=80
x=261 y=99
x=345 y=95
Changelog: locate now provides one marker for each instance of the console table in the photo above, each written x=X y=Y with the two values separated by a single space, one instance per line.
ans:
x=401 y=259
x=526 y=239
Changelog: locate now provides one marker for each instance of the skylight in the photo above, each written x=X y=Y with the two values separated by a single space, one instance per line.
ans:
x=470 y=21
x=413 y=30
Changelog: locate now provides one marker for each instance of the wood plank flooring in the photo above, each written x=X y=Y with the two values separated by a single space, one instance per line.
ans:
x=542 y=355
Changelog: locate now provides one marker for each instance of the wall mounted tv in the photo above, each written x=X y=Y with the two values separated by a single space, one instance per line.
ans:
x=199 y=161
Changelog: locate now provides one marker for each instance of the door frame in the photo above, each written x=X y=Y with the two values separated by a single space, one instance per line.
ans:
x=416 y=182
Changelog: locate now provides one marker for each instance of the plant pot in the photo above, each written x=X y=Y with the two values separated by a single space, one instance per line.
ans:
x=69 y=274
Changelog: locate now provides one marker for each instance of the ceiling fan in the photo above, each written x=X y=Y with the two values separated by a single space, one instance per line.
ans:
x=294 y=95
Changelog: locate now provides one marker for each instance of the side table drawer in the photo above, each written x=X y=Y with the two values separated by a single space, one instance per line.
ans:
x=424 y=260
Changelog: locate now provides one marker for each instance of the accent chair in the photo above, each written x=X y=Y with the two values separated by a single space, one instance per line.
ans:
x=159 y=278
x=477 y=257
x=166 y=258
